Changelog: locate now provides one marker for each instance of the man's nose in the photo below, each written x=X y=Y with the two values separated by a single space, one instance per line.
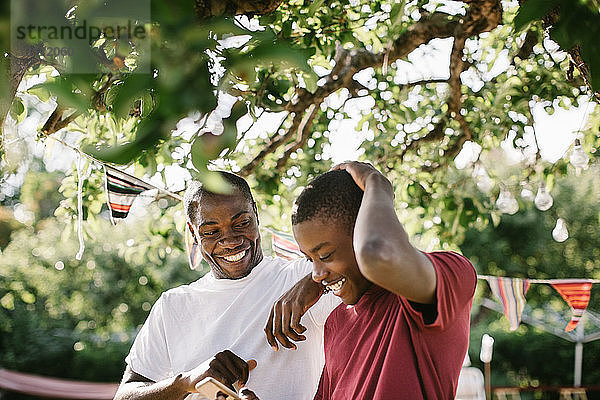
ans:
x=319 y=273
x=231 y=241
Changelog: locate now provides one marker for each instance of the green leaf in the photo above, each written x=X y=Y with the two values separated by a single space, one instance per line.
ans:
x=65 y=89
x=310 y=80
x=40 y=92
x=131 y=90
x=315 y=6
x=147 y=104
x=18 y=110
x=148 y=134
x=532 y=10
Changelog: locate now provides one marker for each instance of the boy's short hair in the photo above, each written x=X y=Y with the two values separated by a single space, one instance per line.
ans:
x=331 y=196
x=196 y=190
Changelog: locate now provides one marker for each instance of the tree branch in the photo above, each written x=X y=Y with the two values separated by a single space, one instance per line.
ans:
x=21 y=60
x=276 y=141
x=482 y=16
x=303 y=134
x=56 y=122
x=213 y=8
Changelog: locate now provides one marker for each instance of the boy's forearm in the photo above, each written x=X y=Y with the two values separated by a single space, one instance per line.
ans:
x=384 y=253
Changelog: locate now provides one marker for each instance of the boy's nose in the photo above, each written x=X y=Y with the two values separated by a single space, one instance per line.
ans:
x=319 y=274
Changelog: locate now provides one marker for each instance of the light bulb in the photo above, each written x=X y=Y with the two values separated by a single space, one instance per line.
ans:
x=560 y=232
x=543 y=201
x=487 y=346
x=507 y=203
x=527 y=194
x=482 y=179
x=579 y=158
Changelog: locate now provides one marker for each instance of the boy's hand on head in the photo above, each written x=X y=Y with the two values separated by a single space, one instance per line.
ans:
x=283 y=324
x=359 y=171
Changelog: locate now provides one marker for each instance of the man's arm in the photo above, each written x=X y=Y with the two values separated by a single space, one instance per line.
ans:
x=136 y=386
x=383 y=250
x=225 y=366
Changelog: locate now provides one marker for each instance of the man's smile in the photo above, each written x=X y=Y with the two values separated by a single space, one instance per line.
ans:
x=235 y=257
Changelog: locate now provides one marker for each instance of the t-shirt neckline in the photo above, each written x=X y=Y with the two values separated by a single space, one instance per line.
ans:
x=234 y=283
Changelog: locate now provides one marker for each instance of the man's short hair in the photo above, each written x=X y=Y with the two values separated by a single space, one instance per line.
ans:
x=331 y=196
x=196 y=190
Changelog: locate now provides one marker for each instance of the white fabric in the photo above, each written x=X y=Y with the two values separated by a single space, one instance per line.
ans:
x=192 y=323
x=471 y=385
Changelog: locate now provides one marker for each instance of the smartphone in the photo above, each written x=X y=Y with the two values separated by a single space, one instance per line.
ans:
x=209 y=387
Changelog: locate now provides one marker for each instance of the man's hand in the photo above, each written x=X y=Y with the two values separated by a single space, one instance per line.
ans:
x=225 y=366
x=284 y=321
x=360 y=172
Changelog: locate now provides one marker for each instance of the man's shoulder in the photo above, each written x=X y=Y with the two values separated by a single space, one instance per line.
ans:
x=300 y=266
x=182 y=290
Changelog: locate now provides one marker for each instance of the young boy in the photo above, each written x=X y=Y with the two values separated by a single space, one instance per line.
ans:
x=403 y=330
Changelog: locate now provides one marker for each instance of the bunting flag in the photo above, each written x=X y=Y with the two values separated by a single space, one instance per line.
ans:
x=576 y=293
x=193 y=250
x=284 y=245
x=121 y=191
x=511 y=293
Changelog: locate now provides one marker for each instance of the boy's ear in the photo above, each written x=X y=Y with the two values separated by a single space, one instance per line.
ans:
x=191 y=228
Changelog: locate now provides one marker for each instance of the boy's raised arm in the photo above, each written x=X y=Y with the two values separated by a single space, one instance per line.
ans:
x=384 y=253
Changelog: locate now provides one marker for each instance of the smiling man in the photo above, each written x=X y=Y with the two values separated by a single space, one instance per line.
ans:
x=213 y=327
x=404 y=328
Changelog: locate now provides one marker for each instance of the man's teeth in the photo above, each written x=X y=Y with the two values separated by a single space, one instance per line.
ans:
x=336 y=286
x=235 y=257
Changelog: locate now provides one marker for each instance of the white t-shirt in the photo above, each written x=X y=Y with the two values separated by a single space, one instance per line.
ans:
x=191 y=323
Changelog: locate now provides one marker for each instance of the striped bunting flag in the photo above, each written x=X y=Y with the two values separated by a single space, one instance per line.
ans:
x=121 y=191
x=576 y=293
x=284 y=245
x=511 y=293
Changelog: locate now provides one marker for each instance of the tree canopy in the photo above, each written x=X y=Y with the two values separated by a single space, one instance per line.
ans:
x=361 y=70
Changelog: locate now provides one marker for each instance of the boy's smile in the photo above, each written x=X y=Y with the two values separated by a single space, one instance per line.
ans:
x=329 y=246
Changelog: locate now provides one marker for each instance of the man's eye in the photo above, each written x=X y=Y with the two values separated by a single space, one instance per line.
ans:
x=208 y=233
x=244 y=223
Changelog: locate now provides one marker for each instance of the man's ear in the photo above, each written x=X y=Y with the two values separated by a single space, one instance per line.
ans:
x=191 y=228
x=256 y=212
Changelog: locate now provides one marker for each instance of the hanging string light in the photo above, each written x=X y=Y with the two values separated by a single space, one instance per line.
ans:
x=560 y=232
x=527 y=193
x=579 y=158
x=506 y=202
x=543 y=200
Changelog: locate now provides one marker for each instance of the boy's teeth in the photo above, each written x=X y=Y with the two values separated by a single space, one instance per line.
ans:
x=337 y=286
x=235 y=257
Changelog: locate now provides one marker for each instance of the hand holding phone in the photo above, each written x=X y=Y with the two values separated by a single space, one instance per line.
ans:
x=210 y=386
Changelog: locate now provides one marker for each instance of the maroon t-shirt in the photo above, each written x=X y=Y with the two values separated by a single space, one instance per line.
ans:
x=386 y=347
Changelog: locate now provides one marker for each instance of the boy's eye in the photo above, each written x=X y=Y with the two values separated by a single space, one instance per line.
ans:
x=326 y=257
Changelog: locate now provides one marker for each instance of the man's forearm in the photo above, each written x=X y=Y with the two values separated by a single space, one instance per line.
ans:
x=167 y=389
